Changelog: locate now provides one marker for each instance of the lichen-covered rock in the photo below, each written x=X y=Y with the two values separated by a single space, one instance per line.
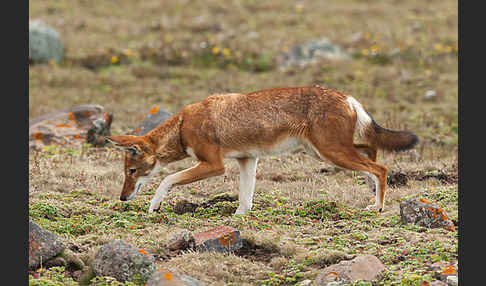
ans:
x=424 y=213
x=43 y=245
x=44 y=43
x=181 y=241
x=168 y=278
x=443 y=269
x=311 y=52
x=155 y=118
x=364 y=267
x=71 y=127
x=219 y=239
x=124 y=262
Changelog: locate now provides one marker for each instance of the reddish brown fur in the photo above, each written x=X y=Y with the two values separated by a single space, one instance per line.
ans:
x=229 y=124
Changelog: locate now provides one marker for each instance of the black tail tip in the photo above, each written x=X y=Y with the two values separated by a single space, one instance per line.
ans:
x=412 y=142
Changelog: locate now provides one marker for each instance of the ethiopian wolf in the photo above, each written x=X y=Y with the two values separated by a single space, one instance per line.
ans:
x=248 y=126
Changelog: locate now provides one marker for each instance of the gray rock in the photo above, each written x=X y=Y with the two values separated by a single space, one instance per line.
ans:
x=122 y=261
x=364 y=267
x=219 y=239
x=70 y=127
x=151 y=122
x=44 y=43
x=452 y=280
x=442 y=270
x=424 y=213
x=167 y=278
x=43 y=245
x=311 y=52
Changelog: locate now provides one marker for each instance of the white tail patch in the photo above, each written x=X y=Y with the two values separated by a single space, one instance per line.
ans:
x=363 y=119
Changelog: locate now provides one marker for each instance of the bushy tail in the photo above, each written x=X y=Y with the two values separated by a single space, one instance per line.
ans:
x=378 y=136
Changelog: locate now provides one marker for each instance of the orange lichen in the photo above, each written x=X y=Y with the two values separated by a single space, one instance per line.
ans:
x=449 y=270
x=444 y=217
x=450 y=228
x=63 y=125
x=228 y=239
x=38 y=136
x=154 y=110
x=71 y=116
x=168 y=276
x=425 y=202
x=332 y=275
x=142 y=251
x=137 y=130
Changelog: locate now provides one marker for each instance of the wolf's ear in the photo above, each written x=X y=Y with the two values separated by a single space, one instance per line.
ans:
x=125 y=142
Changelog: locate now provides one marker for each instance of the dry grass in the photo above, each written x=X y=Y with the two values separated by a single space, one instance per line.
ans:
x=74 y=193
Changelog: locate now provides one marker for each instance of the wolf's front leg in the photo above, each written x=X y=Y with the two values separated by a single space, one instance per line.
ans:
x=201 y=171
x=160 y=194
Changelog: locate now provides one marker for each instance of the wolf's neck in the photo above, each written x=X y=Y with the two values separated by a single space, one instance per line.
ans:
x=166 y=139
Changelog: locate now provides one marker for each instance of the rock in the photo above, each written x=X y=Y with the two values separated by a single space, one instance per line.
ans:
x=452 y=280
x=122 y=261
x=70 y=127
x=424 y=213
x=311 y=52
x=442 y=270
x=155 y=118
x=438 y=283
x=44 y=43
x=364 y=267
x=430 y=94
x=43 y=245
x=168 y=278
x=181 y=241
x=219 y=239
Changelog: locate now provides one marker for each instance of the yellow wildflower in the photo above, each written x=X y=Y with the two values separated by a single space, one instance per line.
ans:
x=365 y=52
x=448 y=49
x=375 y=48
x=438 y=47
x=299 y=8
x=226 y=52
x=114 y=59
x=215 y=50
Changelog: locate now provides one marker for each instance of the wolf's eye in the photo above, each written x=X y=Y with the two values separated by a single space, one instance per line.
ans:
x=132 y=171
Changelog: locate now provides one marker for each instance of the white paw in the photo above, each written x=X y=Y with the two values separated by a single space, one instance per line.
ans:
x=154 y=206
x=241 y=211
x=374 y=207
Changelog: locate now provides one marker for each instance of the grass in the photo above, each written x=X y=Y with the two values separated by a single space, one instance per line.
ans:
x=307 y=215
